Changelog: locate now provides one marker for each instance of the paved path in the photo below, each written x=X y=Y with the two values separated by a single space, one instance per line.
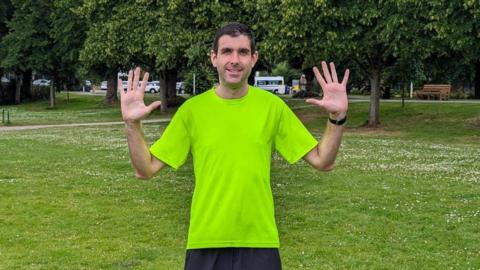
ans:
x=14 y=128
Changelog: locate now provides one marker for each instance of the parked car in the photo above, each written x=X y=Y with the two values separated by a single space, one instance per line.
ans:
x=152 y=87
x=103 y=85
x=41 y=82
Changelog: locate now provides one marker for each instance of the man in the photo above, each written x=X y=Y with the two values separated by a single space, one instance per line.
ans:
x=230 y=131
x=303 y=83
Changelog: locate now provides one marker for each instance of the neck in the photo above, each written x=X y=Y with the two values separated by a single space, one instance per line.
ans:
x=231 y=93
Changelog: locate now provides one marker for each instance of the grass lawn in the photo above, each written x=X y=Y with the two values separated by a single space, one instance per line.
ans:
x=77 y=108
x=406 y=196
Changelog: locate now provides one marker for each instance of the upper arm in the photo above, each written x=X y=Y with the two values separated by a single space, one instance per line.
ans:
x=314 y=159
x=157 y=164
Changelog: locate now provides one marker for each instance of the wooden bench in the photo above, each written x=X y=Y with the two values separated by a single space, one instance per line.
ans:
x=434 y=91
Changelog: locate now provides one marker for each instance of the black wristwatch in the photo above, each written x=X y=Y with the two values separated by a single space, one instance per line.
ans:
x=338 y=122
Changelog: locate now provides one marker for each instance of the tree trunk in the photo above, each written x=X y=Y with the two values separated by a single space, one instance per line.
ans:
x=2 y=92
x=27 y=84
x=171 y=83
x=477 y=79
x=374 y=117
x=163 y=90
x=52 y=94
x=18 y=88
x=111 y=96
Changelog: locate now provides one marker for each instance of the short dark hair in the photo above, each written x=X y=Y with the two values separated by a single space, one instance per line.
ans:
x=235 y=29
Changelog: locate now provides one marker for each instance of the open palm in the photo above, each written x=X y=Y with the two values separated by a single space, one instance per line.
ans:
x=334 y=99
x=132 y=102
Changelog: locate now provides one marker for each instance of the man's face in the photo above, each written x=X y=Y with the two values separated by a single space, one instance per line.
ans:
x=234 y=61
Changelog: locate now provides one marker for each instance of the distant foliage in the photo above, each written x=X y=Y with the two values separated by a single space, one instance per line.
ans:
x=204 y=80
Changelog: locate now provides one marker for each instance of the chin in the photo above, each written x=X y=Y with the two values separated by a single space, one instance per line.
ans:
x=235 y=85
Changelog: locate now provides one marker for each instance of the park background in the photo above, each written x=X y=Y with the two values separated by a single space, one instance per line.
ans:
x=405 y=193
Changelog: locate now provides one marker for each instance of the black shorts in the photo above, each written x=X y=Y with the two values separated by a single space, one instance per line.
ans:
x=233 y=259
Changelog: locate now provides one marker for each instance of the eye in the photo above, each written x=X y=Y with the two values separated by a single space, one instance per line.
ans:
x=226 y=51
x=244 y=52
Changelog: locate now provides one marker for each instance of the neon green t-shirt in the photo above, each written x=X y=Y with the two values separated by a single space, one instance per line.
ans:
x=231 y=142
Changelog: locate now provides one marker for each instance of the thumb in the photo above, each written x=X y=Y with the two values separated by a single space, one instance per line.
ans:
x=154 y=105
x=315 y=101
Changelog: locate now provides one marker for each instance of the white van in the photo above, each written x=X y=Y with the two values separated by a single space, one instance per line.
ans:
x=274 y=84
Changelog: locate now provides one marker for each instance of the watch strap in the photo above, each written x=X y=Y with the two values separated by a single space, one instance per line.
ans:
x=338 y=122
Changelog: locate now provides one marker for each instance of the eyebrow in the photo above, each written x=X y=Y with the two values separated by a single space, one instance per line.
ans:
x=223 y=50
x=241 y=50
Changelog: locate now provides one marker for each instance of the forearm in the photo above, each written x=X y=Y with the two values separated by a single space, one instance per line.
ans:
x=328 y=146
x=140 y=156
x=334 y=101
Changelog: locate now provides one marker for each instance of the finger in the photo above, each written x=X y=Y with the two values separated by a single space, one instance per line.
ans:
x=136 y=78
x=345 y=77
x=319 y=77
x=326 y=73
x=315 y=101
x=154 y=105
x=334 y=72
x=144 y=81
x=130 y=80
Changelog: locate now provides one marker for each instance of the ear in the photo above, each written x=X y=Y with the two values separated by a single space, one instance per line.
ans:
x=254 y=58
x=213 y=58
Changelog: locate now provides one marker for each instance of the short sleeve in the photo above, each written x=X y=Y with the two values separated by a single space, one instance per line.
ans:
x=174 y=144
x=292 y=139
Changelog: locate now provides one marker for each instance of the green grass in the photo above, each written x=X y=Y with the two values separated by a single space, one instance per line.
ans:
x=76 y=109
x=434 y=122
x=404 y=197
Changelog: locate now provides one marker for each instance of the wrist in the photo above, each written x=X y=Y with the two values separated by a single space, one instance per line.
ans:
x=133 y=124
x=338 y=116
x=338 y=120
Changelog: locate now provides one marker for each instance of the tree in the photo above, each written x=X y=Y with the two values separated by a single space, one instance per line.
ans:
x=370 y=36
x=45 y=37
x=6 y=11
x=110 y=40
x=457 y=27
x=289 y=73
x=26 y=46
x=122 y=35
x=67 y=31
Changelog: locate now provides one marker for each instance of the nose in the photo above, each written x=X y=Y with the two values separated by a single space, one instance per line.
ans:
x=235 y=58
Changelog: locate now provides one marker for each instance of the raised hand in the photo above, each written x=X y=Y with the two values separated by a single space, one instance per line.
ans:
x=334 y=99
x=132 y=103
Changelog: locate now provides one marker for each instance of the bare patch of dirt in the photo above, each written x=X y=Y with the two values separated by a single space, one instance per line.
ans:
x=372 y=131
x=476 y=122
x=471 y=140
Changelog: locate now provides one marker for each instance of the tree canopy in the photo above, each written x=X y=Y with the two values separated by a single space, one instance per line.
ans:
x=382 y=42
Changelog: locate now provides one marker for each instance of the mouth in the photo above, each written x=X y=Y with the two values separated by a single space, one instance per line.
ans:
x=234 y=70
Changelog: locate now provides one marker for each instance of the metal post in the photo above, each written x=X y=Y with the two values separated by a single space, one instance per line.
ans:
x=8 y=117
x=3 y=116
x=411 y=89
x=194 y=86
